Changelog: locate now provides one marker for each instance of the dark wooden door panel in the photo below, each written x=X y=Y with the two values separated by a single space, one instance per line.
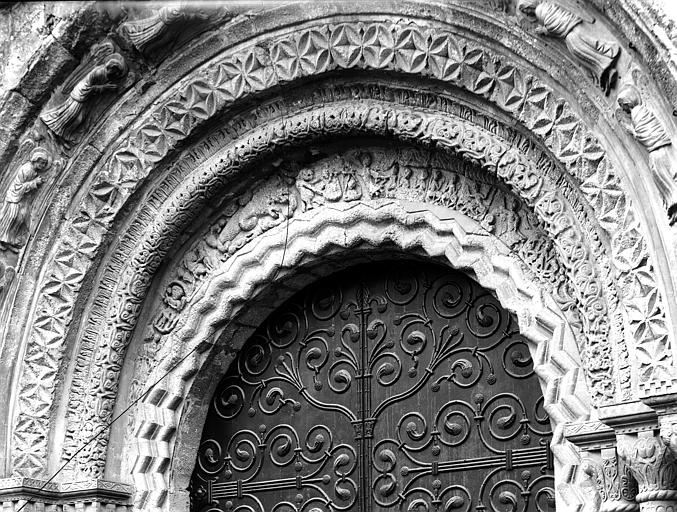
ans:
x=395 y=386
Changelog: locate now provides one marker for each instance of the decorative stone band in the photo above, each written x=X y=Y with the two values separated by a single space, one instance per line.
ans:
x=658 y=495
x=85 y=496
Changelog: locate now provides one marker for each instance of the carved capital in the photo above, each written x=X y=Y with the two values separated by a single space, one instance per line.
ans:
x=614 y=486
x=653 y=465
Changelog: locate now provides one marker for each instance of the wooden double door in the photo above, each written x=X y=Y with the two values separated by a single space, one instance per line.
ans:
x=391 y=386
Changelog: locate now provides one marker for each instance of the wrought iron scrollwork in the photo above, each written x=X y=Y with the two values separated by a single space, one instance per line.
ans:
x=391 y=387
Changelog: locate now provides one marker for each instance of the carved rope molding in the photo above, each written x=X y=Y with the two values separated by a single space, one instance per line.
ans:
x=408 y=49
x=204 y=185
x=312 y=236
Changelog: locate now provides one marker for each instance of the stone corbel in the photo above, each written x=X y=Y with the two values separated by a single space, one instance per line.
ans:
x=31 y=495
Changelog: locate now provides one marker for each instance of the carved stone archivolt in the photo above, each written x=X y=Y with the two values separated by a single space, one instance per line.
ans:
x=313 y=235
x=369 y=174
x=301 y=128
x=585 y=214
x=416 y=126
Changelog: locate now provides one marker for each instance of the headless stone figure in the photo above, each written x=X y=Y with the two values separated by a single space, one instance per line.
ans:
x=649 y=132
x=598 y=57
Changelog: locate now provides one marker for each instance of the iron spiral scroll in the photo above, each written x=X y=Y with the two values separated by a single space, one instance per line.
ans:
x=395 y=386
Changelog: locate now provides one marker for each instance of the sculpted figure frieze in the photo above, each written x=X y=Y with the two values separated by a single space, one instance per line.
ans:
x=650 y=133
x=16 y=208
x=64 y=118
x=366 y=174
x=148 y=32
x=597 y=56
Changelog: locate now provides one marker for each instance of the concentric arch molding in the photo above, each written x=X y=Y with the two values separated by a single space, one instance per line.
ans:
x=338 y=230
x=238 y=73
x=413 y=126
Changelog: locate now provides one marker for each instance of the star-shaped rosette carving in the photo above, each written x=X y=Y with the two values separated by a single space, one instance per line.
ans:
x=488 y=77
x=653 y=358
x=346 y=45
x=444 y=57
x=510 y=87
x=411 y=50
x=228 y=79
x=201 y=99
x=153 y=139
x=313 y=51
x=301 y=55
x=540 y=109
x=112 y=187
x=379 y=46
x=628 y=247
x=606 y=197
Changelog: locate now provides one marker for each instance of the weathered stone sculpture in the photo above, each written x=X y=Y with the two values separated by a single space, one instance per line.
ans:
x=67 y=116
x=15 y=211
x=654 y=466
x=143 y=33
x=598 y=57
x=649 y=132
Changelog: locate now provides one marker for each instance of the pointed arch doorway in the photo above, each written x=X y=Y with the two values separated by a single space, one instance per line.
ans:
x=390 y=386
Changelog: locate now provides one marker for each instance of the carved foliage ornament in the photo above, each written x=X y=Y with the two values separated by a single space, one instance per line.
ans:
x=443 y=56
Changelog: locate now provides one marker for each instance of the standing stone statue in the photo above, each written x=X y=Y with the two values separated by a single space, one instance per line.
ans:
x=67 y=116
x=598 y=57
x=143 y=33
x=15 y=211
x=649 y=132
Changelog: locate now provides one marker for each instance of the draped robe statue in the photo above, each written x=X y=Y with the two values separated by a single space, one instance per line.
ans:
x=598 y=57
x=67 y=116
x=651 y=134
x=145 y=32
x=16 y=209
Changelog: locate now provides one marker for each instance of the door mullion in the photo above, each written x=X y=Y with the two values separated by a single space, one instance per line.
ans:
x=367 y=423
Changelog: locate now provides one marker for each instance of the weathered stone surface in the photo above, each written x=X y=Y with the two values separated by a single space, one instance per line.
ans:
x=238 y=158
